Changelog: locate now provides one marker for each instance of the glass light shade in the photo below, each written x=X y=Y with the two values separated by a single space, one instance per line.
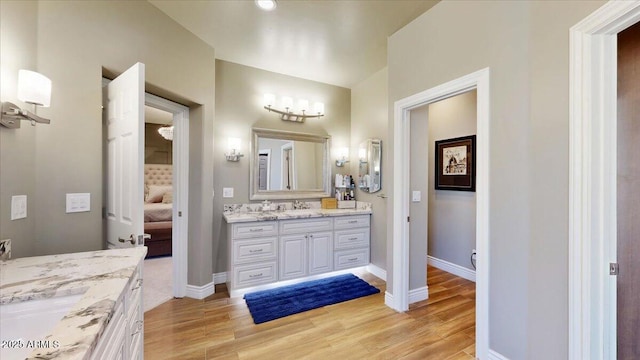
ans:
x=318 y=108
x=362 y=154
x=166 y=132
x=343 y=153
x=287 y=103
x=234 y=145
x=303 y=105
x=266 y=5
x=34 y=88
x=269 y=100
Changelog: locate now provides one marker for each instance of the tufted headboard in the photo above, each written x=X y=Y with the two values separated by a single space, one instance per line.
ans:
x=158 y=174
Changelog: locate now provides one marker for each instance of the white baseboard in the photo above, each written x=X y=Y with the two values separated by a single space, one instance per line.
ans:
x=220 y=278
x=388 y=299
x=377 y=271
x=452 y=268
x=419 y=294
x=201 y=292
x=493 y=355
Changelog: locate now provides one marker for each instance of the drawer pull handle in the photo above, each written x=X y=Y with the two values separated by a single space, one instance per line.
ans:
x=256 y=230
x=255 y=276
x=353 y=238
x=138 y=284
x=353 y=259
x=353 y=221
x=138 y=327
x=256 y=251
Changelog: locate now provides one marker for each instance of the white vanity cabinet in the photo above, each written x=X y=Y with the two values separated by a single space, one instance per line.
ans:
x=306 y=247
x=352 y=237
x=265 y=252
x=123 y=337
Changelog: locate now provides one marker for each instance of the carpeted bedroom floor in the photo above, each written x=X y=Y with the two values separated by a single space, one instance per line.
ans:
x=158 y=282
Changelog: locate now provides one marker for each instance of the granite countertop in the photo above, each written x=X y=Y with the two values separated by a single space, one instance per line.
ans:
x=101 y=276
x=236 y=217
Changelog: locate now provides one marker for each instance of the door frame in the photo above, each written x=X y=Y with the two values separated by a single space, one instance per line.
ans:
x=399 y=298
x=180 y=216
x=592 y=179
x=268 y=153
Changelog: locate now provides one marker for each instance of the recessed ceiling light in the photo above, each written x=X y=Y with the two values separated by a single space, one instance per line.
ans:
x=266 y=5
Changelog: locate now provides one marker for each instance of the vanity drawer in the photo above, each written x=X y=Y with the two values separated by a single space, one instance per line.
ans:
x=350 y=222
x=347 y=239
x=255 y=274
x=255 y=229
x=254 y=250
x=346 y=259
x=305 y=226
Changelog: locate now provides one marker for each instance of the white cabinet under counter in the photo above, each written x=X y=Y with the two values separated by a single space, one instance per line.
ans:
x=264 y=253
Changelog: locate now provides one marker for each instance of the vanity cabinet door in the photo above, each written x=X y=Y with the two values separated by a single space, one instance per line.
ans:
x=293 y=256
x=320 y=252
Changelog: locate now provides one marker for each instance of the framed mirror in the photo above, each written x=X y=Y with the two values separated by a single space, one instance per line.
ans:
x=370 y=167
x=289 y=165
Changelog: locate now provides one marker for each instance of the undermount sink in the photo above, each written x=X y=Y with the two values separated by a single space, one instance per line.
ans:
x=30 y=321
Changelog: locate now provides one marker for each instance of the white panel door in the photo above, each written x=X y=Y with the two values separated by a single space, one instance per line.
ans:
x=293 y=256
x=320 y=252
x=124 y=105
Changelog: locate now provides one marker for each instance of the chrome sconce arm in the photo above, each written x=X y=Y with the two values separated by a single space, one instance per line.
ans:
x=12 y=114
x=289 y=116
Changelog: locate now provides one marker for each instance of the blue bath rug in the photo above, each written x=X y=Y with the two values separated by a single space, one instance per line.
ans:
x=273 y=304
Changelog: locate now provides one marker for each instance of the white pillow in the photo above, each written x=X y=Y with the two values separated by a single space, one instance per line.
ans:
x=167 y=198
x=156 y=192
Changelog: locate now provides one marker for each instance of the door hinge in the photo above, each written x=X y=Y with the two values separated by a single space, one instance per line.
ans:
x=613 y=269
x=408 y=218
x=179 y=213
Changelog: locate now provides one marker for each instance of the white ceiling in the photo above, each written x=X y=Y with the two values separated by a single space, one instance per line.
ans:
x=157 y=116
x=339 y=42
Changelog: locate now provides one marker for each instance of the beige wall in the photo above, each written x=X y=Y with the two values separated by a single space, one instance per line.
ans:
x=369 y=120
x=239 y=107
x=452 y=214
x=18 y=49
x=157 y=150
x=526 y=47
x=77 y=42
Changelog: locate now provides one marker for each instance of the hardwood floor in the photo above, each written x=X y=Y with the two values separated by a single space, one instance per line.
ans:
x=218 y=327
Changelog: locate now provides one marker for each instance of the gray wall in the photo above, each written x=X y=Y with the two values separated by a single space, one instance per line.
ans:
x=76 y=43
x=419 y=211
x=239 y=107
x=369 y=106
x=526 y=46
x=452 y=214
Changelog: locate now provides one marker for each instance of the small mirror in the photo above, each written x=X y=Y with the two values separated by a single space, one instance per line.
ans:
x=288 y=165
x=370 y=156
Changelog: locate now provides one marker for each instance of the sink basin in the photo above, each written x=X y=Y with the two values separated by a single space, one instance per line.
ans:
x=30 y=321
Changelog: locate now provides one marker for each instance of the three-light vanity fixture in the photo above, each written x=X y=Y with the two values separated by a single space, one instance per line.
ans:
x=33 y=88
x=297 y=114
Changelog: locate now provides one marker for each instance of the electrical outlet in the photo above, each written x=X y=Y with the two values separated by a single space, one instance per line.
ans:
x=5 y=249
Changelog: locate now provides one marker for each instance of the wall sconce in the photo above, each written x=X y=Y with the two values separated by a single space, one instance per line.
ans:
x=288 y=113
x=234 y=154
x=33 y=88
x=362 y=155
x=343 y=157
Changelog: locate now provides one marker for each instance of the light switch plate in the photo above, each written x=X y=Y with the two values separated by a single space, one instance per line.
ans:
x=78 y=202
x=227 y=192
x=18 y=207
x=416 y=196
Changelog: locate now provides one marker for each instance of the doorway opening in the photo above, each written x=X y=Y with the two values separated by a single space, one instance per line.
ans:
x=399 y=298
x=593 y=179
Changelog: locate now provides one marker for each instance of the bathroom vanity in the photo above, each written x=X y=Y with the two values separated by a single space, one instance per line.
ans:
x=269 y=247
x=104 y=320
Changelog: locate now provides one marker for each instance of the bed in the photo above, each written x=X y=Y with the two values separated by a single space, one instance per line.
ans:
x=158 y=208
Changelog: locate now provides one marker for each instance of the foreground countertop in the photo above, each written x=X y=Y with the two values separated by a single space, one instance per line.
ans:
x=237 y=217
x=101 y=276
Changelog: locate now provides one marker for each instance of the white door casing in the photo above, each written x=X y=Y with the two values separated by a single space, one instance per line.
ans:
x=124 y=104
x=592 y=179
x=399 y=298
